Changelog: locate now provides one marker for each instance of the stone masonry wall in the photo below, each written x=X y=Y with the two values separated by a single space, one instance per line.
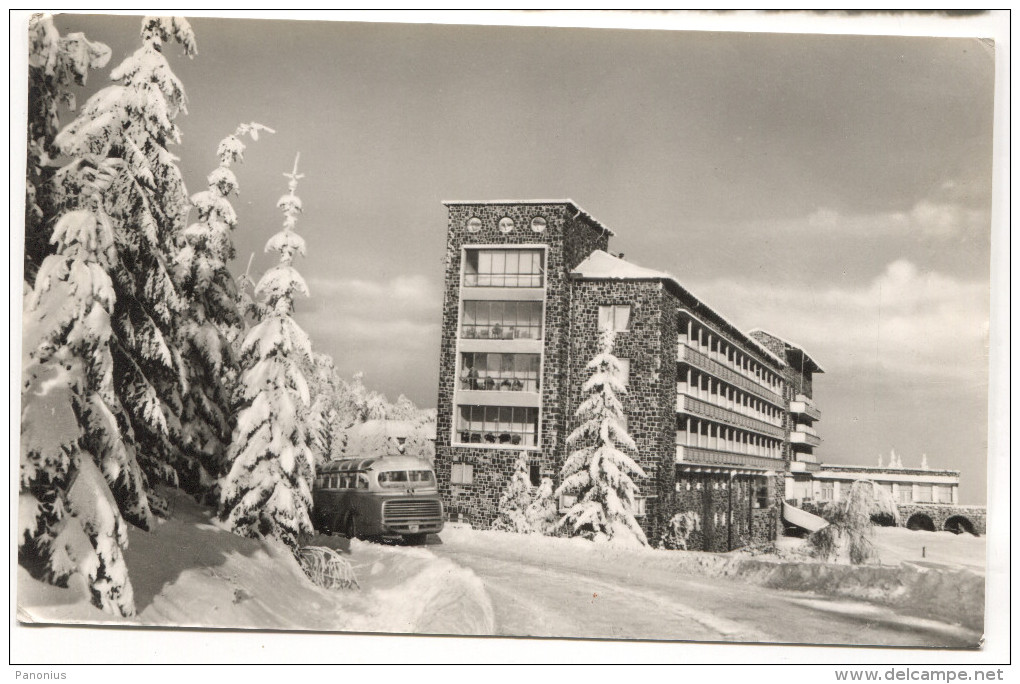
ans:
x=650 y=402
x=567 y=237
x=724 y=508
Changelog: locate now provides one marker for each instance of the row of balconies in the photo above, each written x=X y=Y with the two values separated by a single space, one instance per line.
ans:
x=702 y=362
x=699 y=407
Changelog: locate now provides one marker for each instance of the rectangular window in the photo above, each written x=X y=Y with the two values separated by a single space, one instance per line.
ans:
x=499 y=372
x=498 y=425
x=943 y=494
x=614 y=317
x=924 y=493
x=503 y=268
x=828 y=491
x=462 y=473
x=491 y=320
x=906 y=494
x=640 y=509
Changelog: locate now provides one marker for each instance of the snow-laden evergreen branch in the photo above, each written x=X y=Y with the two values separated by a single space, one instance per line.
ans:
x=267 y=491
x=599 y=473
x=55 y=64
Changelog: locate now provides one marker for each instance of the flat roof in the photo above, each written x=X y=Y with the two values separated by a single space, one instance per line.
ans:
x=566 y=202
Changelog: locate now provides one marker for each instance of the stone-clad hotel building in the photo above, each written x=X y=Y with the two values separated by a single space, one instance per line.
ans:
x=721 y=418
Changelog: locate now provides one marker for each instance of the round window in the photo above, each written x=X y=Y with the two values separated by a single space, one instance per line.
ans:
x=506 y=224
x=538 y=224
x=474 y=224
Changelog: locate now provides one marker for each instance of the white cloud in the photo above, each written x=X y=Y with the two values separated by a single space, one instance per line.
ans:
x=904 y=321
x=944 y=217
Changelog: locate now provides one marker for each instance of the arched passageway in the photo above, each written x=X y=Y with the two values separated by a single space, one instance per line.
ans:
x=919 y=521
x=958 y=524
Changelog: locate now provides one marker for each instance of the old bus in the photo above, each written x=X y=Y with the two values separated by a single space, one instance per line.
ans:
x=389 y=496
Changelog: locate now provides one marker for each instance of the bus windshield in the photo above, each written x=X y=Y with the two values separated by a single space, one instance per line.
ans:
x=406 y=478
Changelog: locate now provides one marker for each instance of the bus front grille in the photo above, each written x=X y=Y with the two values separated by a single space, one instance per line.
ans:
x=413 y=514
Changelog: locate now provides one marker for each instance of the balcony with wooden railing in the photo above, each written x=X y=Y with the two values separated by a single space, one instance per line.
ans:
x=713 y=457
x=728 y=375
x=703 y=409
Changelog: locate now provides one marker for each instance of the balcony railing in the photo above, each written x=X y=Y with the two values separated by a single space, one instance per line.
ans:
x=703 y=456
x=804 y=406
x=805 y=438
x=712 y=367
x=698 y=407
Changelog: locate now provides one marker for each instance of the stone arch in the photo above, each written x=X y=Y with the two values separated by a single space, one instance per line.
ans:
x=920 y=521
x=958 y=524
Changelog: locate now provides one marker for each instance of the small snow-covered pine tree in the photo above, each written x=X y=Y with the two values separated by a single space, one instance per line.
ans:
x=55 y=64
x=599 y=472
x=421 y=443
x=541 y=513
x=267 y=491
x=211 y=318
x=72 y=426
x=133 y=121
x=513 y=504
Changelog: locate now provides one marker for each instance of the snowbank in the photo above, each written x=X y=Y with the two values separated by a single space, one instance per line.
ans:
x=190 y=572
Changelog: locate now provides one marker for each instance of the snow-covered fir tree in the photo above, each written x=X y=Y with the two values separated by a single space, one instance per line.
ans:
x=541 y=514
x=513 y=504
x=267 y=491
x=55 y=64
x=133 y=122
x=211 y=318
x=599 y=472
x=73 y=447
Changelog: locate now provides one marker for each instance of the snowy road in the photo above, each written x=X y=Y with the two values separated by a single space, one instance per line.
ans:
x=579 y=594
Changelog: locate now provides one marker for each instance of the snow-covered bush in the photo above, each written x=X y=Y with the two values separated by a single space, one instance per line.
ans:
x=129 y=126
x=679 y=530
x=599 y=472
x=541 y=515
x=327 y=568
x=513 y=504
x=267 y=490
x=211 y=317
x=420 y=443
x=847 y=538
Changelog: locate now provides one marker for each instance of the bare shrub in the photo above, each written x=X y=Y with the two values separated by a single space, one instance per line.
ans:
x=327 y=568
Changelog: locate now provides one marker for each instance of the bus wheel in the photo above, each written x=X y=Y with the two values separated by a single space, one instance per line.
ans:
x=352 y=526
x=416 y=539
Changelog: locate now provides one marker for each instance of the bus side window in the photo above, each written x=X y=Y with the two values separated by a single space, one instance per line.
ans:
x=362 y=482
x=345 y=482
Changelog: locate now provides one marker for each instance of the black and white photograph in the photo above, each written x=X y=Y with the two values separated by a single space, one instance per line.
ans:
x=577 y=330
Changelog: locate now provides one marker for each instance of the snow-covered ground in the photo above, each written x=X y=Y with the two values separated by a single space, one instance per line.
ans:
x=190 y=572
x=544 y=586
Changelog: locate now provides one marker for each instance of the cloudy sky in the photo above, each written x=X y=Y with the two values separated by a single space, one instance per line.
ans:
x=834 y=190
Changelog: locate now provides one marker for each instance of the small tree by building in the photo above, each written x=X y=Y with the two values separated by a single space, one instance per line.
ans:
x=847 y=538
x=541 y=513
x=511 y=513
x=599 y=473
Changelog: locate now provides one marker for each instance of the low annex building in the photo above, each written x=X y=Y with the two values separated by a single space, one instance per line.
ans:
x=720 y=417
